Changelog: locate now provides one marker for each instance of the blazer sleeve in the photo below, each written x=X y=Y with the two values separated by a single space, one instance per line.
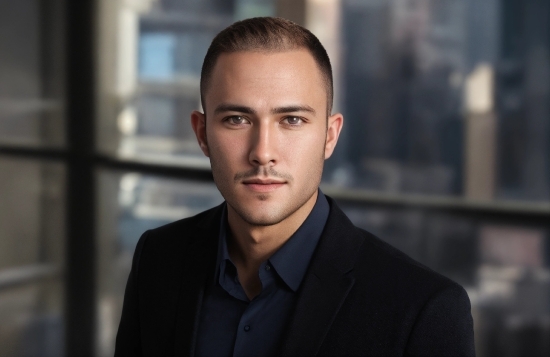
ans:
x=128 y=341
x=444 y=327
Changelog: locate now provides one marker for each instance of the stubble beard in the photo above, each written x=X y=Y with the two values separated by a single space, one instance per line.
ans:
x=278 y=214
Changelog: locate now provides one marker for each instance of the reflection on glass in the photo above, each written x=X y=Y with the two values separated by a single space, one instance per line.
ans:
x=446 y=97
x=31 y=320
x=503 y=268
x=158 y=59
x=129 y=205
x=31 y=213
x=31 y=72
x=440 y=97
x=31 y=258
x=512 y=294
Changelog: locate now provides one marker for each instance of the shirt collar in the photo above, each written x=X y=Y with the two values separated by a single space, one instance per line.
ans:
x=223 y=252
x=292 y=259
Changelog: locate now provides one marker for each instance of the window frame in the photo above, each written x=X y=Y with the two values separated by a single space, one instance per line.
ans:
x=82 y=160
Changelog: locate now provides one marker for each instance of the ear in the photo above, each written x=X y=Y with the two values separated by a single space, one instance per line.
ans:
x=198 y=122
x=334 y=127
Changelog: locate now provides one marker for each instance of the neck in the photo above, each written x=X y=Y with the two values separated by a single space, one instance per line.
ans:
x=251 y=244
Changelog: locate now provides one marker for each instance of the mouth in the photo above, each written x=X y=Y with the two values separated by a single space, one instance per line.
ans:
x=263 y=185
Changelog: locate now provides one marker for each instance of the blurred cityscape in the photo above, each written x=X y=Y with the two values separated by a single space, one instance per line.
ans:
x=445 y=102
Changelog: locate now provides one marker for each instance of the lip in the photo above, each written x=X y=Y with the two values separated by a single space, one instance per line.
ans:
x=262 y=185
x=259 y=181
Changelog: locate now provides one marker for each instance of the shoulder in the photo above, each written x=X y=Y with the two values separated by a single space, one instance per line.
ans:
x=377 y=263
x=394 y=262
x=400 y=274
x=185 y=229
x=433 y=311
x=169 y=241
x=394 y=305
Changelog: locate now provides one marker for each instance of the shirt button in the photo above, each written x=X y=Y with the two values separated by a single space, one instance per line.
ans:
x=247 y=328
x=267 y=267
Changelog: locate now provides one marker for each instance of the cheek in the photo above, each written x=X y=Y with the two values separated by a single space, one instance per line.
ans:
x=226 y=150
x=304 y=151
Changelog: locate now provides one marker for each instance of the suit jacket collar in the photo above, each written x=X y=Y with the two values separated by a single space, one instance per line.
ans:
x=326 y=285
x=198 y=265
x=324 y=288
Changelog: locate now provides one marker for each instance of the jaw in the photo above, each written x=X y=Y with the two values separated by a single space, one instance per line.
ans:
x=263 y=225
x=272 y=209
x=261 y=208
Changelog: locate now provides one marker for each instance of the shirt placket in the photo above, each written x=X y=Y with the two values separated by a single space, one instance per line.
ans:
x=249 y=325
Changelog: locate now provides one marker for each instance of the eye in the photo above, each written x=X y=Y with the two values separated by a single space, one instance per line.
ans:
x=293 y=120
x=236 y=120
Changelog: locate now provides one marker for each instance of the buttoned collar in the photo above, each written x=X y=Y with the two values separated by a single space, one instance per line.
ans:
x=291 y=261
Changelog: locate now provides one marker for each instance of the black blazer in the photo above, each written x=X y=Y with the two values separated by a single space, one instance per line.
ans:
x=360 y=296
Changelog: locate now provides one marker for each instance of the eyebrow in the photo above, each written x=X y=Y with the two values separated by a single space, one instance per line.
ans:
x=293 y=109
x=222 y=108
x=247 y=110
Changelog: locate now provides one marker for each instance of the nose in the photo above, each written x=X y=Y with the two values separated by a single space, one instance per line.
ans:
x=263 y=150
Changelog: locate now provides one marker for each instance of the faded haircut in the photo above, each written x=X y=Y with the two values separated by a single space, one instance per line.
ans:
x=266 y=34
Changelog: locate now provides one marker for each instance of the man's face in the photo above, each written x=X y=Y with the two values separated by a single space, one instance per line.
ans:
x=266 y=132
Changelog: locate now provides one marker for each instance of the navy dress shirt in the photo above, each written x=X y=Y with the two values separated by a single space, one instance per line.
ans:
x=231 y=324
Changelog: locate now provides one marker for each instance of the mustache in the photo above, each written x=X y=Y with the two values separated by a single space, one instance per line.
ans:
x=262 y=172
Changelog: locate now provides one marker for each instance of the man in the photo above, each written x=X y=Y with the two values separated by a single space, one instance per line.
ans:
x=278 y=269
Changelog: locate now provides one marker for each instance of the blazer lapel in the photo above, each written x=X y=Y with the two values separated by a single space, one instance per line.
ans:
x=325 y=287
x=198 y=265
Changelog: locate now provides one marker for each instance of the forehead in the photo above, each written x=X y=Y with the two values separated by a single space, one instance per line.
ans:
x=266 y=78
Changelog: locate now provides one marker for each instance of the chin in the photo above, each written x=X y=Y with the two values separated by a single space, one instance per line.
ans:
x=261 y=214
x=261 y=218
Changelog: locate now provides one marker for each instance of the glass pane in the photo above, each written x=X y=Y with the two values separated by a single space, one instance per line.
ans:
x=31 y=257
x=504 y=268
x=31 y=320
x=149 y=75
x=129 y=204
x=31 y=213
x=31 y=68
x=441 y=97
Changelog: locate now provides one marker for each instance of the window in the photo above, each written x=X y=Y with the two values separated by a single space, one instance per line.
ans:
x=445 y=152
x=432 y=158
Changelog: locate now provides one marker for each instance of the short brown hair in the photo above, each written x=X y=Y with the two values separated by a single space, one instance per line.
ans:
x=269 y=34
